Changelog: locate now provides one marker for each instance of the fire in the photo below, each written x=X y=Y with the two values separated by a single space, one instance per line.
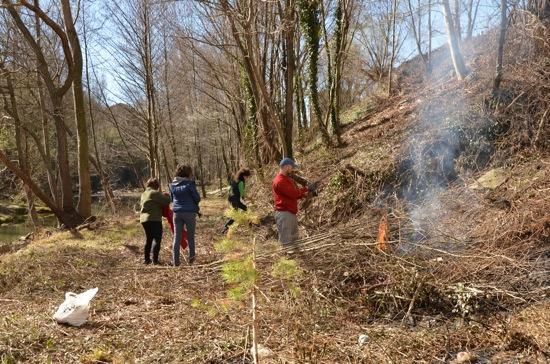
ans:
x=382 y=240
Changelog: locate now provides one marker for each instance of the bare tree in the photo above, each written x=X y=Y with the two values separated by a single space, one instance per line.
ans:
x=11 y=108
x=500 y=48
x=242 y=19
x=393 y=46
x=472 y=8
x=288 y=15
x=456 y=54
x=336 y=52
x=311 y=28
x=84 y=183
x=456 y=20
x=55 y=93
x=136 y=57
x=416 y=26
x=109 y=196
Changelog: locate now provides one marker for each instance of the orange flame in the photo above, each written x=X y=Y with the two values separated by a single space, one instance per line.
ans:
x=382 y=240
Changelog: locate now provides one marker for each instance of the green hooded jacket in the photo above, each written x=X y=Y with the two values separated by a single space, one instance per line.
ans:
x=152 y=202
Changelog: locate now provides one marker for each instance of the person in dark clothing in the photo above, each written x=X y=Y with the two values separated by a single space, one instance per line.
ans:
x=152 y=202
x=185 y=204
x=237 y=192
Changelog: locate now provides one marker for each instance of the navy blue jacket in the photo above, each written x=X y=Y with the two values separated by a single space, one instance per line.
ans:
x=185 y=197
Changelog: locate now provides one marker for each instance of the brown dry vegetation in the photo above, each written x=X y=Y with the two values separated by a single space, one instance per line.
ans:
x=467 y=269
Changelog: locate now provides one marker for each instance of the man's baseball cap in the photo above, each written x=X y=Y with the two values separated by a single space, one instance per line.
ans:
x=288 y=162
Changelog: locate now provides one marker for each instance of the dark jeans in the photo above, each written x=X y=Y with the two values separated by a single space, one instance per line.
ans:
x=153 y=237
x=237 y=205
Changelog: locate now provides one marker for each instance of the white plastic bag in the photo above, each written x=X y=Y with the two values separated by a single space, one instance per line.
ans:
x=75 y=309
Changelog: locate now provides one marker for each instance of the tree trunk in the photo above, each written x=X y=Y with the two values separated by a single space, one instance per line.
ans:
x=458 y=27
x=152 y=124
x=172 y=134
x=430 y=34
x=298 y=99
x=305 y=122
x=198 y=152
x=288 y=34
x=84 y=185
x=20 y=142
x=224 y=157
x=70 y=220
x=472 y=16
x=340 y=34
x=247 y=43
x=456 y=55
x=28 y=192
x=55 y=93
x=109 y=196
x=393 y=46
x=500 y=50
x=51 y=170
x=311 y=28
x=63 y=158
x=417 y=33
x=119 y=132
x=165 y=162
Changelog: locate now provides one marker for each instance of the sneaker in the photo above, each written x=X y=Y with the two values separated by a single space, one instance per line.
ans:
x=224 y=230
x=146 y=262
x=156 y=262
x=191 y=260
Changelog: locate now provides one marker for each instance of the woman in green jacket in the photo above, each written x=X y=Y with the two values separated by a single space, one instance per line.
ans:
x=152 y=202
x=237 y=191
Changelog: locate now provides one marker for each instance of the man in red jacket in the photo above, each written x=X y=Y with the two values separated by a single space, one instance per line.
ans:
x=286 y=195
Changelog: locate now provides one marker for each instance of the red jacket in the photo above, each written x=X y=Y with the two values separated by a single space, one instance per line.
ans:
x=286 y=194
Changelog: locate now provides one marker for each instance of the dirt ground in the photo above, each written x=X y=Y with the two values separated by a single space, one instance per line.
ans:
x=146 y=314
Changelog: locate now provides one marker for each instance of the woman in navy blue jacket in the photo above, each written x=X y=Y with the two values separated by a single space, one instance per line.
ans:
x=185 y=204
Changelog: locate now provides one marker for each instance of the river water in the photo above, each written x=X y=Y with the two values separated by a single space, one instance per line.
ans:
x=12 y=232
x=127 y=202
